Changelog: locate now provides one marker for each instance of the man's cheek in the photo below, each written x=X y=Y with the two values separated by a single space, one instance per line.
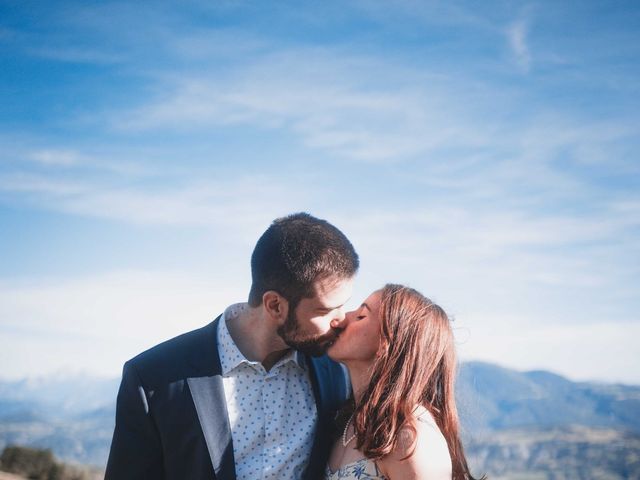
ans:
x=321 y=324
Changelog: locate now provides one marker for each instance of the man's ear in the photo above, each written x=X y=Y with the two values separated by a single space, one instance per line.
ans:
x=275 y=305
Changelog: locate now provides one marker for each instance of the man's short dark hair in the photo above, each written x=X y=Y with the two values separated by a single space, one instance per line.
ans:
x=294 y=253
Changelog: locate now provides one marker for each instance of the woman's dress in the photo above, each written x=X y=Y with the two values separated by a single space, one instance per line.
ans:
x=363 y=469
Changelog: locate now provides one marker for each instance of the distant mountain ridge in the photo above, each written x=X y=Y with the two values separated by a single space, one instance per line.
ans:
x=512 y=422
x=494 y=398
x=57 y=396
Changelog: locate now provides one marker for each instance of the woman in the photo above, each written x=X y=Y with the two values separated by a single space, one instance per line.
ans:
x=403 y=422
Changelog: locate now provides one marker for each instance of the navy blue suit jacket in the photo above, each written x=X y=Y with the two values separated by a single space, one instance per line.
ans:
x=171 y=415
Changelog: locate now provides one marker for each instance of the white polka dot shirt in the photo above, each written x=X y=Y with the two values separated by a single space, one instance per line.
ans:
x=272 y=414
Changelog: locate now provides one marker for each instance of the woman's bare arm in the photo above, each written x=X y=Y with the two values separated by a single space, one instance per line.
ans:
x=430 y=459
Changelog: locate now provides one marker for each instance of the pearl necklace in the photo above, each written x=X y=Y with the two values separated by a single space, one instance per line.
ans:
x=346 y=441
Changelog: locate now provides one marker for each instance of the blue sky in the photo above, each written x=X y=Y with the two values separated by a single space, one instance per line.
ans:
x=484 y=155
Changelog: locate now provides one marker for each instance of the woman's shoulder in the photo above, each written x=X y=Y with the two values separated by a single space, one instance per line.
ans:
x=421 y=450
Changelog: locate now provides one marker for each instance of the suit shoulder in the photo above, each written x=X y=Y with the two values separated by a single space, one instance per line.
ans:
x=332 y=374
x=183 y=355
x=326 y=363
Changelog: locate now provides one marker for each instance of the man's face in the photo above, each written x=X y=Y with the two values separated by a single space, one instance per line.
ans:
x=308 y=326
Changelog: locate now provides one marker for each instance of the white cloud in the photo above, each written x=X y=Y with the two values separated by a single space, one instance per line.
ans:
x=63 y=158
x=96 y=323
x=88 y=163
x=517 y=34
x=41 y=186
x=75 y=54
x=331 y=99
x=486 y=234
x=536 y=268
x=203 y=202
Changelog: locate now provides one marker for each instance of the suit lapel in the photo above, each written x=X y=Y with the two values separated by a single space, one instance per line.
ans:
x=318 y=371
x=331 y=389
x=317 y=460
x=208 y=397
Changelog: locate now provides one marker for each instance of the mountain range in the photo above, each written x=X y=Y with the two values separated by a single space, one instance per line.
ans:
x=517 y=425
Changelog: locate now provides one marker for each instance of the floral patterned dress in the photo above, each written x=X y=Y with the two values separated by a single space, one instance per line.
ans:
x=363 y=469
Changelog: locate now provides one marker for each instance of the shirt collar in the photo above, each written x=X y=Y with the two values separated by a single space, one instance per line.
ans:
x=231 y=356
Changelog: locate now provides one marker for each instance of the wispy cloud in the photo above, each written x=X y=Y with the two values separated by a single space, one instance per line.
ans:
x=505 y=247
x=331 y=99
x=517 y=34
x=117 y=314
x=40 y=186
x=198 y=203
x=64 y=158
x=76 y=54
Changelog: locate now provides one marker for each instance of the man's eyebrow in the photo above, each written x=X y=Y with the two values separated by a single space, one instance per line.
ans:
x=364 y=304
x=328 y=308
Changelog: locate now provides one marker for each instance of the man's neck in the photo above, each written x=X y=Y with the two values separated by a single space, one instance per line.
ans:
x=255 y=335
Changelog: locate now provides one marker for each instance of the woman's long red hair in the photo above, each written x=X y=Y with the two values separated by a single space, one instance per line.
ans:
x=416 y=366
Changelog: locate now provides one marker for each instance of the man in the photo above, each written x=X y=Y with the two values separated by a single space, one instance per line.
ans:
x=251 y=395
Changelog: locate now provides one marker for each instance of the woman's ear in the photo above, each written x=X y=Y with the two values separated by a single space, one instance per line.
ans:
x=383 y=346
x=275 y=305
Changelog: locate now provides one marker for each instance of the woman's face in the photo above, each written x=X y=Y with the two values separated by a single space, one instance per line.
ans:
x=360 y=339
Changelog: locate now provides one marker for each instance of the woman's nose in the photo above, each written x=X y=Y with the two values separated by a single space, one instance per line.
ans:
x=343 y=321
x=340 y=320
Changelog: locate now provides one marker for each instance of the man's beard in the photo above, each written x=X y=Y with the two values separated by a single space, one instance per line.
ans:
x=314 y=345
